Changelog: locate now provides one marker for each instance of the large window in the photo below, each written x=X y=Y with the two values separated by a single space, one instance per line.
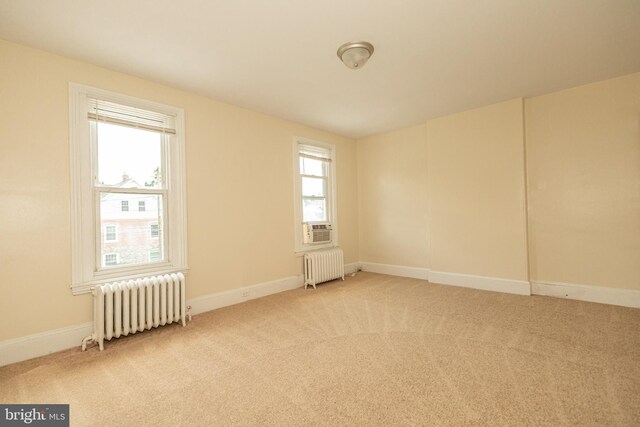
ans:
x=315 y=207
x=126 y=154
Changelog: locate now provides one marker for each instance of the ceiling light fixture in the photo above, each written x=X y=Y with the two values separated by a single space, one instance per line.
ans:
x=355 y=54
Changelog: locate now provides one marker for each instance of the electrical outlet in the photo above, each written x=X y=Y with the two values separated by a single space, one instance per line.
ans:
x=245 y=294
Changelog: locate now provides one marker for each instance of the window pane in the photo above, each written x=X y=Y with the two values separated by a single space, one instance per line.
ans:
x=312 y=167
x=313 y=187
x=128 y=157
x=314 y=210
x=139 y=233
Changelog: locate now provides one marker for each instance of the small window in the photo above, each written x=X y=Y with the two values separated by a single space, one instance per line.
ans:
x=110 y=233
x=155 y=230
x=124 y=206
x=111 y=259
x=315 y=207
x=142 y=206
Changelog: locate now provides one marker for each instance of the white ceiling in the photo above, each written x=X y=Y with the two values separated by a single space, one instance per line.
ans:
x=432 y=57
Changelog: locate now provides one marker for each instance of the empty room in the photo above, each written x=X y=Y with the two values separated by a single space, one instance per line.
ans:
x=320 y=212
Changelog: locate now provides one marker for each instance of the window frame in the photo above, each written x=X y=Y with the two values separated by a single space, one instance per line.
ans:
x=86 y=271
x=330 y=197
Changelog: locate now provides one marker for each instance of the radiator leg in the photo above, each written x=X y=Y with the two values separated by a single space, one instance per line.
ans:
x=85 y=341
x=188 y=316
x=101 y=344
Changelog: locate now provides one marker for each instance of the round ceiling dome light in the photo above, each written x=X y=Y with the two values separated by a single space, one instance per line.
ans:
x=355 y=54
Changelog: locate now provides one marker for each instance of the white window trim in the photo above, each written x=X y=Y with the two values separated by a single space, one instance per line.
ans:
x=116 y=233
x=84 y=272
x=332 y=197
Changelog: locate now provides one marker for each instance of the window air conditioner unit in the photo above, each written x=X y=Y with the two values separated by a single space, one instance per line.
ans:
x=317 y=233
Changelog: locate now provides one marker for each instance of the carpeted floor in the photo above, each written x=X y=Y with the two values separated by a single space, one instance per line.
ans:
x=373 y=350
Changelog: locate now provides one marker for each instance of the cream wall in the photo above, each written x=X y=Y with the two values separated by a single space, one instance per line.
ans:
x=448 y=195
x=476 y=191
x=392 y=181
x=236 y=159
x=581 y=222
x=583 y=164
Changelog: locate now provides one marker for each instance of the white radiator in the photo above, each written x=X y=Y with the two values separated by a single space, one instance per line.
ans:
x=124 y=308
x=322 y=266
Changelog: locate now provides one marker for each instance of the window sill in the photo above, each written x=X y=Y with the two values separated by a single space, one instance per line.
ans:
x=303 y=250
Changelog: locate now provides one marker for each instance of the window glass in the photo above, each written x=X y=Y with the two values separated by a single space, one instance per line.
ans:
x=110 y=259
x=313 y=187
x=134 y=240
x=314 y=210
x=155 y=255
x=110 y=233
x=312 y=167
x=128 y=157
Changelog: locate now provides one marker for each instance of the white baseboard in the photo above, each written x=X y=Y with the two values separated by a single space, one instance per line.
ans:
x=236 y=296
x=396 y=270
x=495 y=284
x=351 y=268
x=40 y=344
x=30 y=346
x=614 y=296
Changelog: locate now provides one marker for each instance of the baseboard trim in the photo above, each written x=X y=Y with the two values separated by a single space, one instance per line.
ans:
x=235 y=296
x=495 y=284
x=27 y=347
x=352 y=268
x=613 y=296
x=30 y=346
x=396 y=270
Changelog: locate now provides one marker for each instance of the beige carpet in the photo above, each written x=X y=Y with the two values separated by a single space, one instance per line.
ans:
x=373 y=350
